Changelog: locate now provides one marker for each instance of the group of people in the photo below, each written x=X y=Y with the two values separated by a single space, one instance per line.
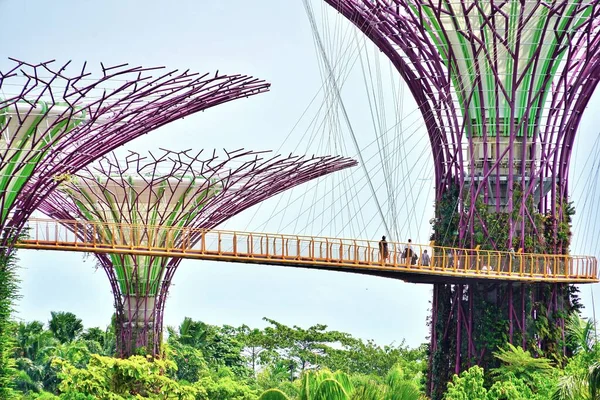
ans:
x=408 y=256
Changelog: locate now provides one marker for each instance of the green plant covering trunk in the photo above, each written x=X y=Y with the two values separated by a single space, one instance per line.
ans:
x=8 y=295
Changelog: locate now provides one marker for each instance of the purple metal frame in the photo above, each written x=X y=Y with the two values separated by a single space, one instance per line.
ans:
x=121 y=104
x=240 y=180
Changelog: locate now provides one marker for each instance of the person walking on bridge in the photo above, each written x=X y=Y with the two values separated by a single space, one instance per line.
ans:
x=409 y=254
x=425 y=259
x=383 y=249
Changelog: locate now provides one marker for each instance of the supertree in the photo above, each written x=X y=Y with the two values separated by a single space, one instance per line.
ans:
x=53 y=123
x=502 y=87
x=164 y=200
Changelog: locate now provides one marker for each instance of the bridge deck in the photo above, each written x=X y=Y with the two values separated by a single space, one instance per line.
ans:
x=350 y=255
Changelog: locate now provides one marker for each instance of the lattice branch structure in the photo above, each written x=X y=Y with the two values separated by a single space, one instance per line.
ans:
x=159 y=192
x=502 y=87
x=52 y=122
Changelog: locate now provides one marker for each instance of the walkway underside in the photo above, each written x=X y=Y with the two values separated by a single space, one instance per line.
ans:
x=334 y=254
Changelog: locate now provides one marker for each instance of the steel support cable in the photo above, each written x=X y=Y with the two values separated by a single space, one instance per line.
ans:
x=422 y=123
x=350 y=174
x=591 y=197
x=396 y=142
x=317 y=37
x=587 y=160
x=595 y=210
x=398 y=105
x=424 y=151
x=333 y=118
x=587 y=241
x=586 y=193
x=364 y=177
x=381 y=135
x=407 y=116
x=347 y=67
x=291 y=192
x=378 y=129
x=378 y=119
x=305 y=111
x=365 y=204
x=426 y=147
x=402 y=157
x=380 y=132
x=423 y=172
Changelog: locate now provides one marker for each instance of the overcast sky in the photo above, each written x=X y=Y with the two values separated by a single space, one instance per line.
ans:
x=273 y=40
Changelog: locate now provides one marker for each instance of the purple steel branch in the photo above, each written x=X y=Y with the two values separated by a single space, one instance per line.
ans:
x=241 y=180
x=122 y=104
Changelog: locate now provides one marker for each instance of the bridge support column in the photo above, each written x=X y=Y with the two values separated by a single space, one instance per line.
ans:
x=138 y=326
x=138 y=323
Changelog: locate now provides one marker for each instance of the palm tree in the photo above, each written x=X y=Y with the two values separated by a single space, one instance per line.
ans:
x=581 y=334
x=582 y=380
x=65 y=326
x=581 y=386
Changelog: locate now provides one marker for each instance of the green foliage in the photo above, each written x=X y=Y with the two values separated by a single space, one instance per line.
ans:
x=447 y=217
x=273 y=394
x=519 y=363
x=274 y=375
x=581 y=376
x=220 y=346
x=513 y=389
x=325 y=385
x=300 y=348
x=224 y=388
x=8 y=296
x=581 y=336
x=110 y=378
x=65 y=326
x=189 y=361
x=402 y=386
x=330 y=389
x=256 y=343
x=467 y=386
x=71 y=371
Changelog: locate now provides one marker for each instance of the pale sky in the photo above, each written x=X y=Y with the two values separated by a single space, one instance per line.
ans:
x=272 y=40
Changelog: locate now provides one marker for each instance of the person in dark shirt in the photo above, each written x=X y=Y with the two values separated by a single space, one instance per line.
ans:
x=383 y=249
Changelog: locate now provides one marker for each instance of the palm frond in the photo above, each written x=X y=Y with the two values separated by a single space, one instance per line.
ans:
x=580 y=333
x=594 y=381
x=571 y=388
x=330 y=389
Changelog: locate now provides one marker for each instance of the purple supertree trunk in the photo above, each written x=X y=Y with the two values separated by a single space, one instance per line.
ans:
x=158 y=196
x=502 y=88
x=52 y=122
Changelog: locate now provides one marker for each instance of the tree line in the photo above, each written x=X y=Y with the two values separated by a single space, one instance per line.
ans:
x=62 y=360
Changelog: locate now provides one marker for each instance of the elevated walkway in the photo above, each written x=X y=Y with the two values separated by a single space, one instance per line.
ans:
x=336 y=254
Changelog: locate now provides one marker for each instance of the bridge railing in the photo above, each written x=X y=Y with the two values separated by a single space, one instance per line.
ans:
x=289 y=249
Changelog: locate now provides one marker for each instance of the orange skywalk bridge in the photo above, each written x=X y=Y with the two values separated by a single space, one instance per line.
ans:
x=348 y=255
